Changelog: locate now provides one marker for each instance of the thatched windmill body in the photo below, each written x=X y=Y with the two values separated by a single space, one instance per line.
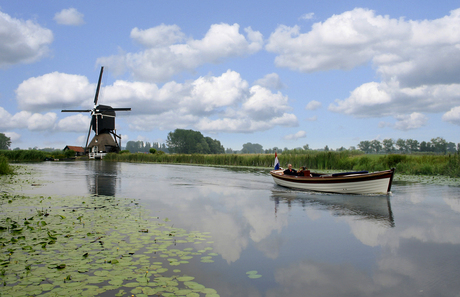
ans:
x=102 y=123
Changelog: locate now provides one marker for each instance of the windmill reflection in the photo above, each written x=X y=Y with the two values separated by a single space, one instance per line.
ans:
x=372 y=208
x=102 y=178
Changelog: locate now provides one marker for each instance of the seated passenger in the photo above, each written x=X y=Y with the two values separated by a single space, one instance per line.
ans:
x=290 y=171
x=303 y=172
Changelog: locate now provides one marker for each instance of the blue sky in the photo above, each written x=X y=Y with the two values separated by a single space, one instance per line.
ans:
x=278 y=73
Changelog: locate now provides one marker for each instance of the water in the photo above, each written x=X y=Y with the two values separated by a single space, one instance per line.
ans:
x=303 y=244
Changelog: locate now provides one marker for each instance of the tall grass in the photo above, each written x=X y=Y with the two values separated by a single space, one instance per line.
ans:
x=24 y=155
x=4 y=166
x=347 y=160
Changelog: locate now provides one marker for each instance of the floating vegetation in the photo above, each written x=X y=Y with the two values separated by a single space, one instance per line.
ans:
x=428 y=179
x=90 y=245
x=253 y=274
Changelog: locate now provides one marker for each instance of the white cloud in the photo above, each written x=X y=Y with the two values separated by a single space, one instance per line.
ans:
x=385 y=99
x=165 y=57
x=270 y=81
x=263 y=104
x=300 y=134
x=37 y=121
x=212 y=104
x=417 y=61
x=74 y=123
x=363 y=100
x=313 y=105
x=211 y=93
x=222 y=103
x=452 y=116
x=54 y=91
x=413 y=121
x=13 y=136
x=70 y=16
x=25 y=119
x=307 y=16
x=22 y=41
x=159 y=36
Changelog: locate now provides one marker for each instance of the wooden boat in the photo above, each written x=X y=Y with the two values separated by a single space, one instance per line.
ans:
x=361 y=182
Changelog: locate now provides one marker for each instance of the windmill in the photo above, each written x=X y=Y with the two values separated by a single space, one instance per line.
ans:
x=102 y=123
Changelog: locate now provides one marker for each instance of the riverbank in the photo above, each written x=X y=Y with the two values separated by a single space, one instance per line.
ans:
x=445 y=165
x=432 y=165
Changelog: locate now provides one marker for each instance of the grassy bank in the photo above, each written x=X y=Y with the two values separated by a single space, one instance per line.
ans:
x=448 y=165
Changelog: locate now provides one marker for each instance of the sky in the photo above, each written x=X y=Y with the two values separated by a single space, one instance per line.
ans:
x=277 y=73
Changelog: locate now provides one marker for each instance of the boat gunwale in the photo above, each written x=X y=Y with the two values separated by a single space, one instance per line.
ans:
x=340 y=179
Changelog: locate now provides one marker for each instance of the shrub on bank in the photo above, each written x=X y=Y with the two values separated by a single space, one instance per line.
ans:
x=4 y=166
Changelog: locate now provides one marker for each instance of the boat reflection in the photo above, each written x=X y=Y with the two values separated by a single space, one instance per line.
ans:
x=102 y=178
x=369 y=207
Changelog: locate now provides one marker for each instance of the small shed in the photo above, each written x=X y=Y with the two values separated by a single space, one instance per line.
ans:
x=79 y=151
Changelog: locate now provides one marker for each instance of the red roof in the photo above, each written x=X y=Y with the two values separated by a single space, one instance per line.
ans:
x=77 y=149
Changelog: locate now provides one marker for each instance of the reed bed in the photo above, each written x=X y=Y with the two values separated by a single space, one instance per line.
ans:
x=448 y=165
x=25 y=155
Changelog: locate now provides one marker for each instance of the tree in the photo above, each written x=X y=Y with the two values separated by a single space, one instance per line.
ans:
x=69 y=153
x=401 y=144
x=451 y=147
x=5 y=142
x=215 y=146
x=388 y=145
x=192 y=142
x=439 y=144
x=249 y=148
x=306 y=147
x=412 y=145
x=135 y=146
x=425 y=147
x=376 y=146
x=365 y=146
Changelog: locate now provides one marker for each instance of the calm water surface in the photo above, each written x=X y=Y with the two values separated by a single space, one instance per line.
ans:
x=303 y=244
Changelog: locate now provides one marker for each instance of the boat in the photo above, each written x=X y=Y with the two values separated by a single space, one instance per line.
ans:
x=360 y=182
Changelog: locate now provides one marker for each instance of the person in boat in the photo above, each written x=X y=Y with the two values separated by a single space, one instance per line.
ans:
x=303 y=172
x=290 y=171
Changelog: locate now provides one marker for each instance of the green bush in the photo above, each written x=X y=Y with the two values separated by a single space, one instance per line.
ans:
x=392 y=160
x=5 y=167
x=69 y=153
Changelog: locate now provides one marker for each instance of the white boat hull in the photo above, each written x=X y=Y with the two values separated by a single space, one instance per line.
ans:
x=367 y=183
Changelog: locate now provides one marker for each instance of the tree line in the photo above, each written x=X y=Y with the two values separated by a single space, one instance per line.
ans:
x=406 y=146
x=182 y=141
x=141 y=147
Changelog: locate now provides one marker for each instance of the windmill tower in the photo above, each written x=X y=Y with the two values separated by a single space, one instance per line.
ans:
x=102 y=123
